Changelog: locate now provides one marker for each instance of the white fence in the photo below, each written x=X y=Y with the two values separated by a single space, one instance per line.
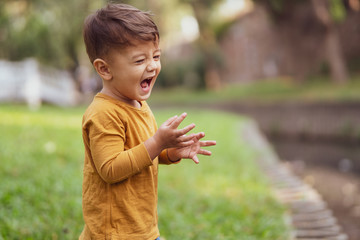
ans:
x=29 y=82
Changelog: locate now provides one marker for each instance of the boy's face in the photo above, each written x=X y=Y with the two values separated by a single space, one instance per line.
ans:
x=134 y=71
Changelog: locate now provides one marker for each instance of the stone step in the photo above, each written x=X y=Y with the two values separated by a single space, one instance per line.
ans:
x=307 y=206
x=332 y=231
x=315 y=224
x=299 y=217
x=338 y=237
x=310 y=217
x=307 y=212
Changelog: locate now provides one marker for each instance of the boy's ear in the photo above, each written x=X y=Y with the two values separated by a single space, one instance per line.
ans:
x=102 y=69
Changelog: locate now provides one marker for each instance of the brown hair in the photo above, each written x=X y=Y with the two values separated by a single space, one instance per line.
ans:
x=117 y=25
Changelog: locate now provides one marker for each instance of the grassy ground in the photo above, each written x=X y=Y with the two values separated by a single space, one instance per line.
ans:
x=224 y=197
x=265 y=91
x=41 y=161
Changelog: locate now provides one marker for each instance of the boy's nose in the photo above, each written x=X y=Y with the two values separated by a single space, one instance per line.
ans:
x=152 y=66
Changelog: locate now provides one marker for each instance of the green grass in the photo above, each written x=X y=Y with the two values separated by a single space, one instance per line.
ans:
x=274 y=90
x=41 y=170
x=225 y=196
x=41 y=152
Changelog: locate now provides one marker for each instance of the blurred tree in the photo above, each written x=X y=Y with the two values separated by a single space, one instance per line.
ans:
x=207 y=42
x=49 y=30
x=329 y=13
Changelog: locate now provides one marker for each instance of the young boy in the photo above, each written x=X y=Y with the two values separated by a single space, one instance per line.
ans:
x=123 y=146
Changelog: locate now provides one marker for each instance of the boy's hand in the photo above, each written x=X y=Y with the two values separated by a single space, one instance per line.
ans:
x=191 y=151
x=168 y=136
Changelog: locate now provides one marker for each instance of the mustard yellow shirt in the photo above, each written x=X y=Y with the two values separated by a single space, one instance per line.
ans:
x=120 y=179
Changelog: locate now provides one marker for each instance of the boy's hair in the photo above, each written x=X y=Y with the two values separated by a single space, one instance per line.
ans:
x=116 y=26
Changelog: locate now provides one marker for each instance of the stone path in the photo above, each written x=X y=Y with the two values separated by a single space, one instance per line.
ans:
x=308 y=213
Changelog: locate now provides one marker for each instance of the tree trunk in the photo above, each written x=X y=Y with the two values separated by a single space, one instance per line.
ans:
x=208 y=47
x=335 y=57
x=333 y=48
x=212 y=76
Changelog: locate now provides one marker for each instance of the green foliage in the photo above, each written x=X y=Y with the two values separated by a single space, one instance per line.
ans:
x=220 y=29
x=187 y=72
x=46 y=30
x=224 y=197
x=278 y=7
x=337 y=10
x=33 y=40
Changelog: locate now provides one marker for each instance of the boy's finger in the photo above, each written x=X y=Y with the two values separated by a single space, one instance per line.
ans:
x=207 y=143
x=199 y=135
x=195 y=159
x=175 y=123
x=185 y=130
x=170 y=120
x=204 y=152
x=186 y=138
x=185 y=144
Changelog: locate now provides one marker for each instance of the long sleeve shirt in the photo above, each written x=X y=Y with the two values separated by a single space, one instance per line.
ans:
x=120 y=179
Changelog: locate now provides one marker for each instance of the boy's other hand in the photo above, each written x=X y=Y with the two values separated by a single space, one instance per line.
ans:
x=192 y=150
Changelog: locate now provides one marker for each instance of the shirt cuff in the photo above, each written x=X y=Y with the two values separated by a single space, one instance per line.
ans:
x=164 y=158
x=141 y=156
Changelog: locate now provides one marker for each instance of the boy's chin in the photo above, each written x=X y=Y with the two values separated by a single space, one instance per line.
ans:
x=144 y=97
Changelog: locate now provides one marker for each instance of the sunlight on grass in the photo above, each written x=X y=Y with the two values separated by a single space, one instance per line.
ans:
x=41 y=152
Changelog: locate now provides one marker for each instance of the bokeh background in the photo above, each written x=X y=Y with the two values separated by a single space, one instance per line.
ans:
x=291 y=65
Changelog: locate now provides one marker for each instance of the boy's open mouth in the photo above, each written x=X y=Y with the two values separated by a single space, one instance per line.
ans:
x=146 y=83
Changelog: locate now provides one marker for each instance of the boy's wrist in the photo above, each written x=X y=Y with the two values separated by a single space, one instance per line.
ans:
x=171 y=157
x=153 y=148
x=158 y=141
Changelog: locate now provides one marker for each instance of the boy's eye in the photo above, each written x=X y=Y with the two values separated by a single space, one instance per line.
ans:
x=140 y=61
x=157 y=57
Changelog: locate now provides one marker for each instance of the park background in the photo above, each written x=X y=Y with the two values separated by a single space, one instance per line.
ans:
x=290 y=66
